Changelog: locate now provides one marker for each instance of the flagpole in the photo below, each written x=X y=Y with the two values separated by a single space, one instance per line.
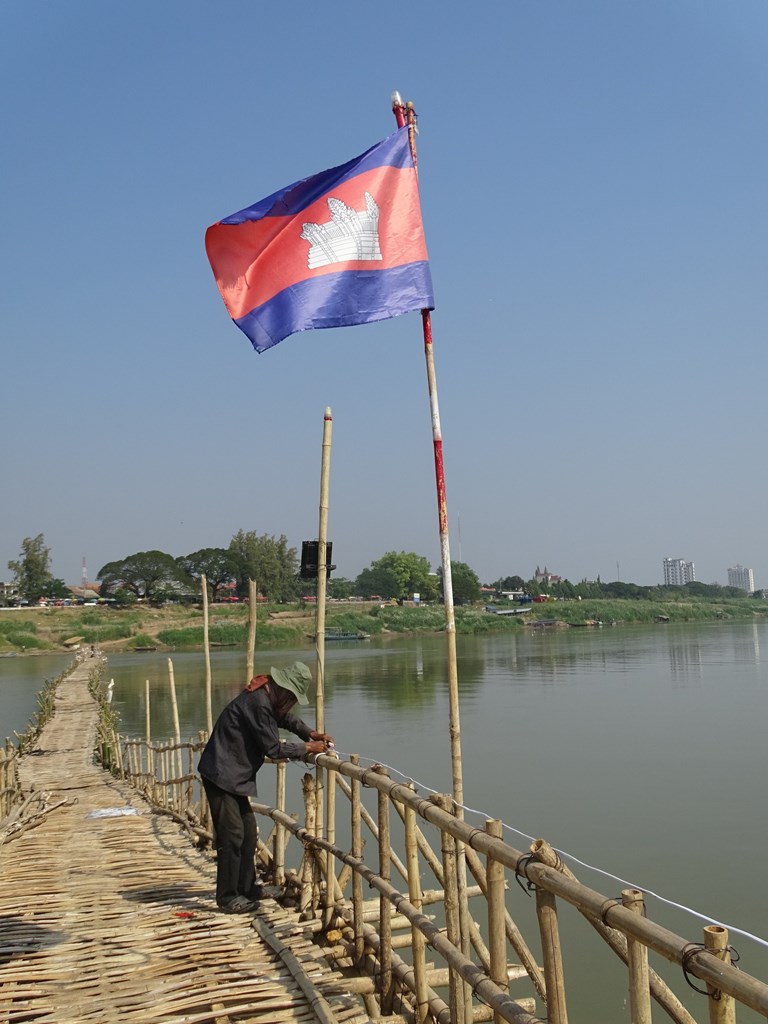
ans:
x=405 y=114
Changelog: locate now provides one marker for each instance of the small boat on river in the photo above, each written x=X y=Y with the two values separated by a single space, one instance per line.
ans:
x=344 y=634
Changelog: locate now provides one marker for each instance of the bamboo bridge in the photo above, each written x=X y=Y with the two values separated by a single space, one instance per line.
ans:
x=108 y=912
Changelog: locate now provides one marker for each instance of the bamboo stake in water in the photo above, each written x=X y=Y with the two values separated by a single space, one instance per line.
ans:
x=207 y=654
x=637 y=958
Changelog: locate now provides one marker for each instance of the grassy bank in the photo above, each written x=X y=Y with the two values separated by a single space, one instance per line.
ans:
x=32 y=630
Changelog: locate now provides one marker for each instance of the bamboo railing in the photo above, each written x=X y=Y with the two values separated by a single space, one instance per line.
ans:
x=414 y=838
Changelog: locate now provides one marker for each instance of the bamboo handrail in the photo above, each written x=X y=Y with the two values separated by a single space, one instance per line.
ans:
x=630 y=934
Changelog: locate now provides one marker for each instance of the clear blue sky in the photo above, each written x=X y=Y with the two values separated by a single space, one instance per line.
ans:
x=593 y=179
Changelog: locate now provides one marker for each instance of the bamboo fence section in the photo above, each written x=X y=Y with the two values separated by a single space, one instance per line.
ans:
x=385 y=940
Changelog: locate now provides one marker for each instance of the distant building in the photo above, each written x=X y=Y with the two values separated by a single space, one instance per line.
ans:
x=545 y=576
x=9 y=593
x=678 y=572
x=742 y=578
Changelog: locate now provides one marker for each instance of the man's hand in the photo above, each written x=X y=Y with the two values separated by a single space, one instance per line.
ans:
x=324 y=736
x=316 y=747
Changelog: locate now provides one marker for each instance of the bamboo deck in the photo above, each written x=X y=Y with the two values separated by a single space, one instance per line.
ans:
x=112 y=918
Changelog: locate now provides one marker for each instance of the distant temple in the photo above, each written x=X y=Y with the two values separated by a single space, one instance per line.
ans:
x=545 y=576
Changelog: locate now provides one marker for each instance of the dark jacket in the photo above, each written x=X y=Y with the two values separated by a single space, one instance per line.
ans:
x=245 y=733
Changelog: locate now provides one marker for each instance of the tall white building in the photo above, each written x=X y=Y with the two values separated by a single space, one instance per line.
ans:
x=678 y=572
x=742 y=578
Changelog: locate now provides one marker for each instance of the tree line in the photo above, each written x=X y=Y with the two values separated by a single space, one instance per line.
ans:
x=268 y=560
x=274 y=565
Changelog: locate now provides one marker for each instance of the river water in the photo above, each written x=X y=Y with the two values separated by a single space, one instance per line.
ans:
x=638 y=751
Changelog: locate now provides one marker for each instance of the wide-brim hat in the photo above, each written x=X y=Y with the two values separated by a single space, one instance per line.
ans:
x=296 y=677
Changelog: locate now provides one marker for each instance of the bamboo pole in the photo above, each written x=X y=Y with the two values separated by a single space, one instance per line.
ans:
x=280 y=834
x=452 y=921
x=357 y=881
x=331 y=885
x=414 y=894
x=637 y=953
x=307 y=869
x=722 y=1007
x=385 y=910
x=320 y=594
x=176 y=727
x=207 y=655
x=148 y=734
x=249 y=653
x=407 y=115
x=497 y=938
x=552 y=958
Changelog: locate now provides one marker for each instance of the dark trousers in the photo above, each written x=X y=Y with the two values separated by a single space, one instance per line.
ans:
x=236 y=834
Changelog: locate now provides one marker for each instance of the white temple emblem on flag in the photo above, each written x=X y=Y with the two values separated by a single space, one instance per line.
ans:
x=349 y=234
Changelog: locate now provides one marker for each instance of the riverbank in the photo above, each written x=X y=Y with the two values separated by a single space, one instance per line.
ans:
x=50 y=630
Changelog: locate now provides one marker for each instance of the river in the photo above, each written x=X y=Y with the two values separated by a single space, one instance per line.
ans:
x=637 y=750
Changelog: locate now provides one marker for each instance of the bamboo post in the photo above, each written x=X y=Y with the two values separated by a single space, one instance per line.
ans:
x=722 y=1007
x=546 y=911
x=637 y=953
x=307 y=869
x=417 y=937
x=176 y=727
x=251 y=631
x=452 y=921
x=280 y=834
x=497 y=938
x=357 y=879
x=148 y=734
x=207 y=655
x=385 y=909
x=330 y=834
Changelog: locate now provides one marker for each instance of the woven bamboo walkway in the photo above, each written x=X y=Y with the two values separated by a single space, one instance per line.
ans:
x=112 y=918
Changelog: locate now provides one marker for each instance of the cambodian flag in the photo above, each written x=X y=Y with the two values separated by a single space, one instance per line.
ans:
x=343 y=247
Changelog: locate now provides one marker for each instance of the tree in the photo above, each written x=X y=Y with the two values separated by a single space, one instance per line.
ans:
x=218 y=565
x=270 y=563
x=377 y=581
x=147 y=574
x=32 y=569
x=510 y=583
x=340 y=589
x=408 y=574
x=465 y=583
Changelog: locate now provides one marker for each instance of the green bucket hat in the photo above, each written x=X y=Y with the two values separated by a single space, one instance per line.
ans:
x=296 y=677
